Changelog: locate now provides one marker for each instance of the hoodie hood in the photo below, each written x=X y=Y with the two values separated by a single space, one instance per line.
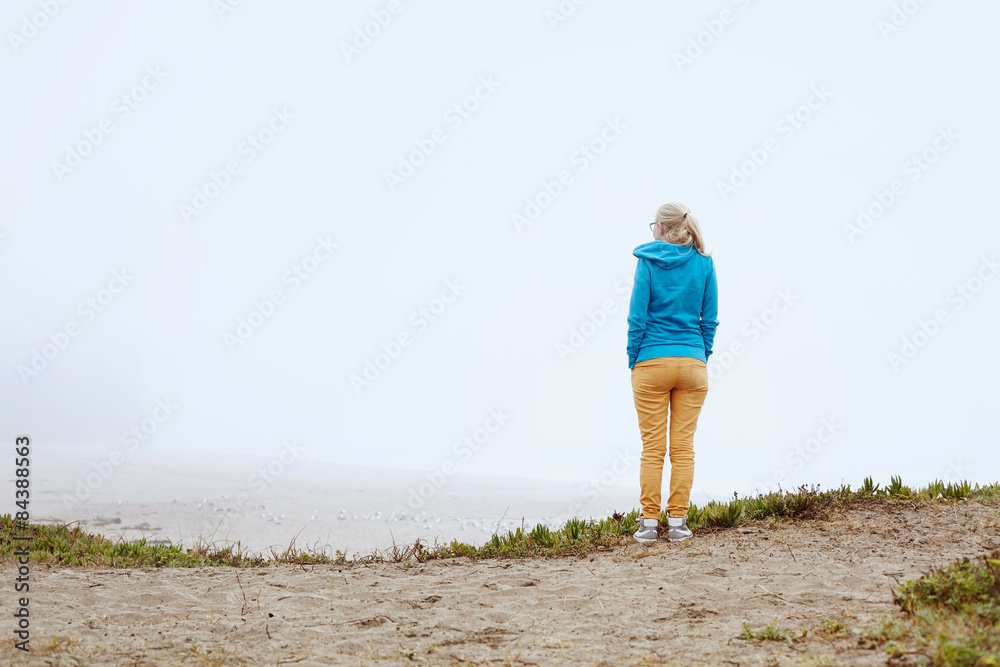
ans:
x=665 y=255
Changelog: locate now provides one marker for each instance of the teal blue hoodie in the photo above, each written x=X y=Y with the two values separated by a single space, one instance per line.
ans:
x=674 y=306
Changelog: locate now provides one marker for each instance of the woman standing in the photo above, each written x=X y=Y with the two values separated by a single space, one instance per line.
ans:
x=671 y=326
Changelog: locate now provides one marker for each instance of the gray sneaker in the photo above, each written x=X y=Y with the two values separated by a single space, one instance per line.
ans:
x=648 y=530
x=677 y=529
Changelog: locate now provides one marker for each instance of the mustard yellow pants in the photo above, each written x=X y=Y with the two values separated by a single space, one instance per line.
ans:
x=679 y=384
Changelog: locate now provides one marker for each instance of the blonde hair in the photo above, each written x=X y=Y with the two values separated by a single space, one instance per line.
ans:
x=680 y=227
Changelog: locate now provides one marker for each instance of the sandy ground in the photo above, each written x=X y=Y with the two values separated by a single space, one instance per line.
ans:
x=653 y=604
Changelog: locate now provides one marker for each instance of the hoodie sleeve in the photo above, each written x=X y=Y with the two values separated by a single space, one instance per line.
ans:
x=710 y=310
x=638 y=310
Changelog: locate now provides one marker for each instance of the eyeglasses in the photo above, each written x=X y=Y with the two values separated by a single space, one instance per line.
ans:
x=652 y=224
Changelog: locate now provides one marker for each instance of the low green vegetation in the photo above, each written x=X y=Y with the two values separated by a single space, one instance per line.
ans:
x=933 y=491
x=950 y=617
x=955 y=610
x=69 y=545
x=831 y=627
x=772 y=632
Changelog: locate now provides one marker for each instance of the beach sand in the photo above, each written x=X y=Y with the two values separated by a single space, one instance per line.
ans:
x=671 y=604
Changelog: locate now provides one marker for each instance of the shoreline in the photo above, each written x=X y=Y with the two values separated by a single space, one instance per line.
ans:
x=353 y=509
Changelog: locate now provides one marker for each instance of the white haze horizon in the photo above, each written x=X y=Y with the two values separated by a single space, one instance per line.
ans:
x=222 y=230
